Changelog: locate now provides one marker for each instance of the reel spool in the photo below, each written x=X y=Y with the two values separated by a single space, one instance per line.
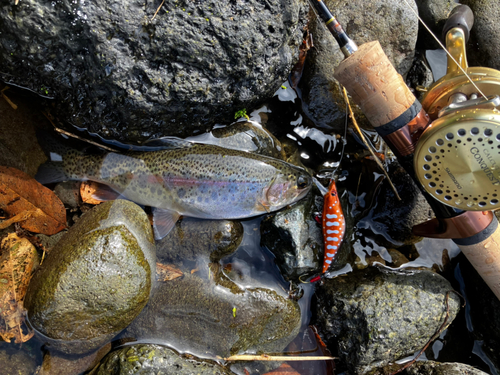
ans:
x=457 y=157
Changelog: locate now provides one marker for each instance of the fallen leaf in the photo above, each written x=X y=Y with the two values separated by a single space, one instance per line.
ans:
x=20 y=193
x=16 y=219
x=284 y=369
x=167 y=272
x=18 y=258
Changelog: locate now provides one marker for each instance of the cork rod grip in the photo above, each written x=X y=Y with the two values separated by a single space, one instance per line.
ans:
x=485 y=257
x=374 y=84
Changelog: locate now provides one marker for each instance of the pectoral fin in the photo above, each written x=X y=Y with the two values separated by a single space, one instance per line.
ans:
x=102 y=192
x=163 y=222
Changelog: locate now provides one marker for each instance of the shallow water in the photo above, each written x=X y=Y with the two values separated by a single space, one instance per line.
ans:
x=319 y=149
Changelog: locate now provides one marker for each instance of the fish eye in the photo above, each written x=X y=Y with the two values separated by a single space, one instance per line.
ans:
x=302 y=182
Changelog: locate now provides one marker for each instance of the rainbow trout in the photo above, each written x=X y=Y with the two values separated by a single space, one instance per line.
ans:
x=197 y=180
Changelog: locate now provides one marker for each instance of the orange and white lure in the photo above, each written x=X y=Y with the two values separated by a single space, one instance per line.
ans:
x=333 y=225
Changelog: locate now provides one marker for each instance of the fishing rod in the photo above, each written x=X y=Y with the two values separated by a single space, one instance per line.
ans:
x=347 y=46
x=449 y=144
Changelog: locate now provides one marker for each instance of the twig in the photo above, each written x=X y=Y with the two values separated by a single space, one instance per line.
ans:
x=375 y=157
x=157 y=10
x=7 y=98
x=49 y=117
x=84 y=139
x=265 y=357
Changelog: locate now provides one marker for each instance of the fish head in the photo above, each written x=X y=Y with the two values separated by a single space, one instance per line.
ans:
x=288 y=188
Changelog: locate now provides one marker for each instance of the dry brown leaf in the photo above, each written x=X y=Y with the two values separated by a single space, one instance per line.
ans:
x=284 y=369
x=18 y=258
x=20 y=193
x=16 y=219
x=167 y=272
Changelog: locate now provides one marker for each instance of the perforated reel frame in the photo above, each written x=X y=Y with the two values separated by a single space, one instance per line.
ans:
x=457 y=159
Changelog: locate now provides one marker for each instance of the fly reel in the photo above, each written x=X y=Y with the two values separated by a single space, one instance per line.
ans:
x=457 y=157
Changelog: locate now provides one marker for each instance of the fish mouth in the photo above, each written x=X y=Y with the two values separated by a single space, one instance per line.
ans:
x=303 y=192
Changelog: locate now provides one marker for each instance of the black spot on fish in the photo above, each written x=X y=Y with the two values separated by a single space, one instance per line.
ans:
x=181 y=193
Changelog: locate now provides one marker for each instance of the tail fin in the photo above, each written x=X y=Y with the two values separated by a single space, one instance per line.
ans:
x=51 y=171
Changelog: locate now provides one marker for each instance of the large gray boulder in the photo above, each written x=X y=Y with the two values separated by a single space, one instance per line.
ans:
x=115 y=69
x=392 y=23
x=434 y=13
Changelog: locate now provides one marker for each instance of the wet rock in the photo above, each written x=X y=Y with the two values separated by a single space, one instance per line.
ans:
x=15 y=361
x=48 y=242
x=95 y=281
x=57 y=364
x=119 y=70
x=419 y=75
x=434 y=13
x=69 y=193
x=18 y=144
x=375 y=317
x=436 y=368
x=295 y=238
x=155 y=359
x=192 y=237
x=392 y=219
x=482 y=51
x=208 y=314
x=390 y=22
x=245 y=136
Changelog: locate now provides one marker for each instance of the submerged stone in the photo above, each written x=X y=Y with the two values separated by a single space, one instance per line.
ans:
x=95 y=281
x=207 y=313
x=192 y=237
x=155 y=359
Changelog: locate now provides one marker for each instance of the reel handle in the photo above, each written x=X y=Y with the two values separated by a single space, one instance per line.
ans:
x=376 y=87
x=461 y=16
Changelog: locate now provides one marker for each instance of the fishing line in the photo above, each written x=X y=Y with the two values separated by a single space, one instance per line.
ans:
x=444 y=48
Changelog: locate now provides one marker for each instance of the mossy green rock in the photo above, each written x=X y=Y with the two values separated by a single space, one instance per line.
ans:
x=436 y=368
x=375 y=317
x=155 y=359
x=96 y=280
